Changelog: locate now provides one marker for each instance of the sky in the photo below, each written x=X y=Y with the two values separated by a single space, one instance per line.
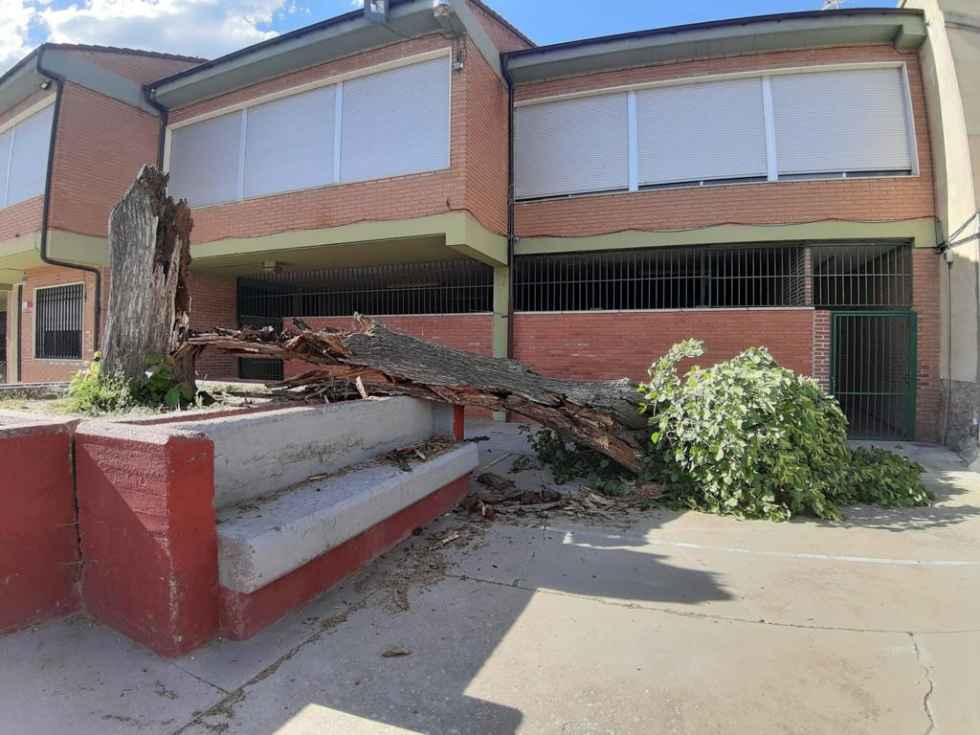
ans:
x=210 y=28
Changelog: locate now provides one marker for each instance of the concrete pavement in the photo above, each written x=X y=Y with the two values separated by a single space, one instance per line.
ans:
x=668 y=623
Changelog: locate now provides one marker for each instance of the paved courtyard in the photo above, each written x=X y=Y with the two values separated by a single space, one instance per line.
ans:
x=663 y=623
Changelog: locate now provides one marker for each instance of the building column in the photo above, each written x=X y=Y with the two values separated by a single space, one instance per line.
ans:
x=12 y=316
x=501 y=320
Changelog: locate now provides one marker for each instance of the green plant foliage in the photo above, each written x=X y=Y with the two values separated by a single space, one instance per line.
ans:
x=160 y=387
x=91 y=393
x=569 y=461
x=879 y=477
x=95 y=394
x=746 y=437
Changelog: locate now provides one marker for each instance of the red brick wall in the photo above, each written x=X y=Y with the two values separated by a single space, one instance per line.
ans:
x=35 y=370
x=413 y=195
x=476 y=180
x=101 y=145
x=214 y=303
x=764 y=203
x=487 y=146
x=469 y=332
x=821 y=349
x=38 y=536
x=607 y=345
x=925 y=301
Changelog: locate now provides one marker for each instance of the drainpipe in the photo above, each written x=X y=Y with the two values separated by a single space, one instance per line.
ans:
x=511 y=237
x=164 y=113
x=20 y=331
x=59 y=82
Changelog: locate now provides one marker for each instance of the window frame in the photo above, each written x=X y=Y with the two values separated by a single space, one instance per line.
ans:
x=81 y=331
x=337 y=80
x=772 y=154
x=9 y=126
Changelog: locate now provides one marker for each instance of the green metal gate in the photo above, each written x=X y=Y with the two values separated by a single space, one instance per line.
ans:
x=873 y=372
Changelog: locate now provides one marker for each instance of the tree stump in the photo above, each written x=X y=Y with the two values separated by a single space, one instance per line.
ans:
x=149 y=299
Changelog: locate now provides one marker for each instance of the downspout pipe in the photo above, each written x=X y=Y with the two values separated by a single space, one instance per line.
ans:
x=59 y=82
x=164 y=113
x=511 y=228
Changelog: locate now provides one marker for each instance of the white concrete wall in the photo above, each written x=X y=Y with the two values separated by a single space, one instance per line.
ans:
x=261 y=453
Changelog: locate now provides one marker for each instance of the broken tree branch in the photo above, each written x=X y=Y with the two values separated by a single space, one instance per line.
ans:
x=602 y=414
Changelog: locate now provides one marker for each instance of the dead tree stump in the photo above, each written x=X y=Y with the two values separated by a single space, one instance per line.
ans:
x=149 y=299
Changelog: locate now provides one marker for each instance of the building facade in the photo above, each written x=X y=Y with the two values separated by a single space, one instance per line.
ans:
x=582 y=206
x=75 y=126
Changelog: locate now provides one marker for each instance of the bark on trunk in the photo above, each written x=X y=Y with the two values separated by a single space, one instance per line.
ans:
x=602 y=415
x=149 y=300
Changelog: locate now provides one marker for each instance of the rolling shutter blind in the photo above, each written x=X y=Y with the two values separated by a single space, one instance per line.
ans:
x=396 y=122
x=204 y=160
x=713 y=130
x=289 y=143
x=841 y=121
x=29 y=156
x=5 y=141
x=572 y=146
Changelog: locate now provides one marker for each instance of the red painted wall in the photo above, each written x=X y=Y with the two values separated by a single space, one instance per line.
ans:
x=38 y=538
x=149 y=539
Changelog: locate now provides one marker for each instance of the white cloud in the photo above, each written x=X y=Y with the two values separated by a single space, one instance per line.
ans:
x=207 y=28
x=15 y=20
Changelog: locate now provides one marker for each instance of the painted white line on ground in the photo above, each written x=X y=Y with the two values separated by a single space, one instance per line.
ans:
x=569 y=538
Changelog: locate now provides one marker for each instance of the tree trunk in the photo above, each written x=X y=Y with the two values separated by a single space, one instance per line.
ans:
x=603 y=415
x=149 y=300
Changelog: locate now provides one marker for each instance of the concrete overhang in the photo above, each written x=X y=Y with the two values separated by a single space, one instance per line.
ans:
x=319 y=43
x=423 y=239
x=20 y=82
x=22 y=253
x=904 y=28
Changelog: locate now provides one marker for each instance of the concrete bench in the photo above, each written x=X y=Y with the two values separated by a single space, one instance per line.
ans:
x=214 y=524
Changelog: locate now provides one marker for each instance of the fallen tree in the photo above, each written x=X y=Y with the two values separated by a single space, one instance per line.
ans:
x=603 y=415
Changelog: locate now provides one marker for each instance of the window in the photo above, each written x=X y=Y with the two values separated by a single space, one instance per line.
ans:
x=683 y=135
x=572 y=146
x=841 y=121
x=289 y=143
x=396 y=122
x=390 y=123
x=204 y=164
x=784 y=124
x=24 y=157
x=58 y=322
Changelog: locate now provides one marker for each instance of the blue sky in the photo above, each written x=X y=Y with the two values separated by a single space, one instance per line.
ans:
x=214 y=27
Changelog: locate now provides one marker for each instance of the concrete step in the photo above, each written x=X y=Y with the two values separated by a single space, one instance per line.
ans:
x=262 y=540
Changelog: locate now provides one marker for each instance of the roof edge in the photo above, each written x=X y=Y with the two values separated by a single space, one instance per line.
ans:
x=714 y=24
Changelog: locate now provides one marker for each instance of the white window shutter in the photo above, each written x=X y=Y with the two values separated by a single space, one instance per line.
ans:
x=289 y=143
x=835 y=121
x=572 y=146
x=5 y=140
x=204 y=160
x=396 y=122
x=29 y=156
x=694 y=132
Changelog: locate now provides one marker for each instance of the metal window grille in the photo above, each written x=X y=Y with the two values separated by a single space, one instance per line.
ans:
x=444 y=287
x=58 y=322
x=662 y=278
x=856 y=275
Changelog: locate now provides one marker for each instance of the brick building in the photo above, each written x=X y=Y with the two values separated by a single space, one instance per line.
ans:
x=75 y=126
x=579 y=206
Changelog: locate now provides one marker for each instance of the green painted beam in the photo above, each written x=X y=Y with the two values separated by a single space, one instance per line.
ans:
x=922 y=232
